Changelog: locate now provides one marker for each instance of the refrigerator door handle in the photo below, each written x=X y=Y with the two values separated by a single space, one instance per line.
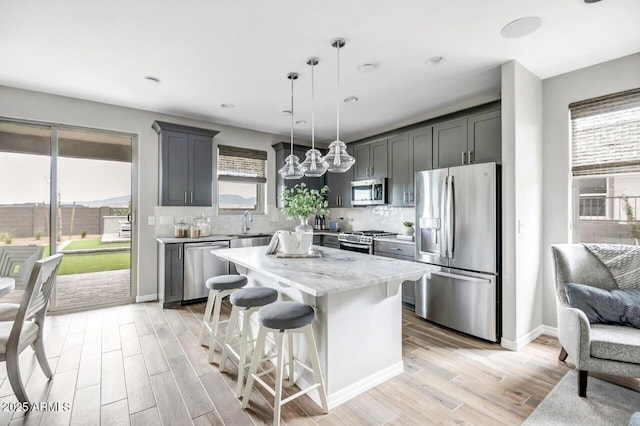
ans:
x=443 y=217
x=461 y=277
x=451 y=220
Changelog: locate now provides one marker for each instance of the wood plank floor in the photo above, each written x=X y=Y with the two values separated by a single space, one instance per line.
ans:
x=141 y=365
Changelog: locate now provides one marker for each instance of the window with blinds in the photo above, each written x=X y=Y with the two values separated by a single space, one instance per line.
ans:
x=242 y=173
x=241 y=164
x=605 y=163
x=606 y=135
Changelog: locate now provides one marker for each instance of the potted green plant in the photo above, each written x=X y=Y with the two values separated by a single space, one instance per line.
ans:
x=301 y=202
x=408 y=228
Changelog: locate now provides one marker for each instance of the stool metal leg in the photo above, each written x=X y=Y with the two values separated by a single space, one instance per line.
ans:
x=277 y=403
x=207 y=315
x=233 y=320
x=255 y=360
x=292 y=379
x=315 y=363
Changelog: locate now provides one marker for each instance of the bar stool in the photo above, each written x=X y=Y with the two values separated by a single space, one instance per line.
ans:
x=219 y=287
x=247 y=301
x=283 y=319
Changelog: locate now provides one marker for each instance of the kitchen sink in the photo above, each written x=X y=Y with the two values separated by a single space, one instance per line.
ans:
x=251 y=240
x=244 y=236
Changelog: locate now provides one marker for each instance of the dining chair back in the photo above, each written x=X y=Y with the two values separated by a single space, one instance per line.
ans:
x=27 y=328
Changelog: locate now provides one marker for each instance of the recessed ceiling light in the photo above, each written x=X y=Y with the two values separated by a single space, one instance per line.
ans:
x=227 y=106
x=521 y=27
x=152 y=79
x=436 y=60
x=301 y=122
x=591 y=1
x=368 y=67
x=351 y=100
x=286 y=112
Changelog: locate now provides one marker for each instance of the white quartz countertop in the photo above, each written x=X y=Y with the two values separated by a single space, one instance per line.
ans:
x=336 y=271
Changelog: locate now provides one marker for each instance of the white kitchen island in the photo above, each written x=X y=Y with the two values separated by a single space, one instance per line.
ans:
x=358 y=325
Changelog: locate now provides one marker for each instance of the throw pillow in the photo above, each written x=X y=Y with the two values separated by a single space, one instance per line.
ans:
x=621 y=306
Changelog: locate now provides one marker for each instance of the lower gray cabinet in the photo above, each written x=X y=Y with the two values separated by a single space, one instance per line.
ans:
x=330 y=241
x=170 y=274
x=402 y=252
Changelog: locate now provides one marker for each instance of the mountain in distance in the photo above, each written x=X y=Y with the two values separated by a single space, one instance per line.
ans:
x=120 y=201
x=232 y=201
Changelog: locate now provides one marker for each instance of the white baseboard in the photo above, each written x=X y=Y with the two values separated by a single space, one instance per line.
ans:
x=146 y=298
x=355 y=389
x=550 y=331
x=523 y=341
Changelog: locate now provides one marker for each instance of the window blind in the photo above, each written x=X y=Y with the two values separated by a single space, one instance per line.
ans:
x=606 y=134
x=241 y=164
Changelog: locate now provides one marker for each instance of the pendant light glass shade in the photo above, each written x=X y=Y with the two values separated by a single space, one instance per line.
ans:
x=312 y=165
x=338 y=159
x=291 y=169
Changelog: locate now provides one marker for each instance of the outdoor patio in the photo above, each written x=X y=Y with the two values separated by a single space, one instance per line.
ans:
x=86 y=289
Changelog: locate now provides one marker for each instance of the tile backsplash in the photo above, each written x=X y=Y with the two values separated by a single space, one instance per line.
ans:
x=385 y=218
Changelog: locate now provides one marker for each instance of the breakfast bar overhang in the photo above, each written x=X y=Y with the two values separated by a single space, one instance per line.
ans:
x=358 y=325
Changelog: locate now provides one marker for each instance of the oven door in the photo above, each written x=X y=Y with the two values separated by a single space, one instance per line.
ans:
x=360 y=248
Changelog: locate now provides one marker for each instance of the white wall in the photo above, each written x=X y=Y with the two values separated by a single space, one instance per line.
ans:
x=28 y=105
x=521 y=203
x=602 y=79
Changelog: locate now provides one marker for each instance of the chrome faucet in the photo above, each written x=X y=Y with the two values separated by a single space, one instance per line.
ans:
x=246 y=218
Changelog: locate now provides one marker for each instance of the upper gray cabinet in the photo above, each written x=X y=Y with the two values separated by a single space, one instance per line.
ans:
x=408 y=153
x=371 y=160
x=474 y=139
x=450 y=143
x=282 y=150
x=340 y=186
x=485 y=137
x=186 y=158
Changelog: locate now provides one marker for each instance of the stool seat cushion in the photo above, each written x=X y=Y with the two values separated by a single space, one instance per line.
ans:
x=286 y=315
x=226 y=282
x=253 y=297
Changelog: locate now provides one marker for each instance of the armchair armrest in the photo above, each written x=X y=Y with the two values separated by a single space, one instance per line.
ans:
x=574 y=333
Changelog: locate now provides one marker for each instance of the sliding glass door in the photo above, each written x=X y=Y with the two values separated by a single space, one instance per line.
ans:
x=71 y=192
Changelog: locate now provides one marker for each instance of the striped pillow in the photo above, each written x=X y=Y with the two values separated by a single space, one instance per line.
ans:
x=621 y=306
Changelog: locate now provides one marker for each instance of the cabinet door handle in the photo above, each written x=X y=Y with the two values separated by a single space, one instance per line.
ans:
x=469 y=156
x=191 y=198
x=463 y=156
x=370 y=171
x=185 y=197
x=180 y=253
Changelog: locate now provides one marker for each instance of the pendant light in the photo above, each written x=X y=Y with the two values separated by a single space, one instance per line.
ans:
x=291 y=169
x=312 y=165
x=338 y=159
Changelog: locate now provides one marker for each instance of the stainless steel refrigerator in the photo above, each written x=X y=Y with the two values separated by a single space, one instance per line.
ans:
x=458 y=223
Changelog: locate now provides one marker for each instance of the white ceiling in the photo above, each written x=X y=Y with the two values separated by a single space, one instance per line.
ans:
x=209 y=52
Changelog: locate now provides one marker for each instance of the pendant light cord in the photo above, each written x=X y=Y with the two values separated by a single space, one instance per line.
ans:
x=338 y=93
x=313 y=101
x=292 y=116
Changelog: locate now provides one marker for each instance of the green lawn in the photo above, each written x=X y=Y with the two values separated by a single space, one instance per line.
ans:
x=94 y=262
x=92 y=244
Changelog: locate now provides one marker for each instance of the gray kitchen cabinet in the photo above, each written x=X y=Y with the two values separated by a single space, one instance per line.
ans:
x=450 y=143
x=186 y=164
x=469 y=140
x=401 y=251
x=371 y=160
x=408 y=153
x=170 y=274
x=330 y=241
x=283 y=150
x=340 y=186
x=485 y=137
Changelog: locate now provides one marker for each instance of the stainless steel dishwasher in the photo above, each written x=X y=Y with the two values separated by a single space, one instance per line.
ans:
x=200 y=264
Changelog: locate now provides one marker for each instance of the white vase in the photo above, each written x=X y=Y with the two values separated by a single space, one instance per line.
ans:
x=408 y=231
x=295 y=242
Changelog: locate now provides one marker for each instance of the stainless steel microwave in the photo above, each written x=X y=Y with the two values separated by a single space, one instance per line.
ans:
x=369 y=192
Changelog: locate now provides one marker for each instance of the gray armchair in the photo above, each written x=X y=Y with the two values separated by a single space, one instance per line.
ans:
x=609 y=349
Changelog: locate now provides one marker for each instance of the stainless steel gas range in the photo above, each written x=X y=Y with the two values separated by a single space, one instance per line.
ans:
x=360 y=241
